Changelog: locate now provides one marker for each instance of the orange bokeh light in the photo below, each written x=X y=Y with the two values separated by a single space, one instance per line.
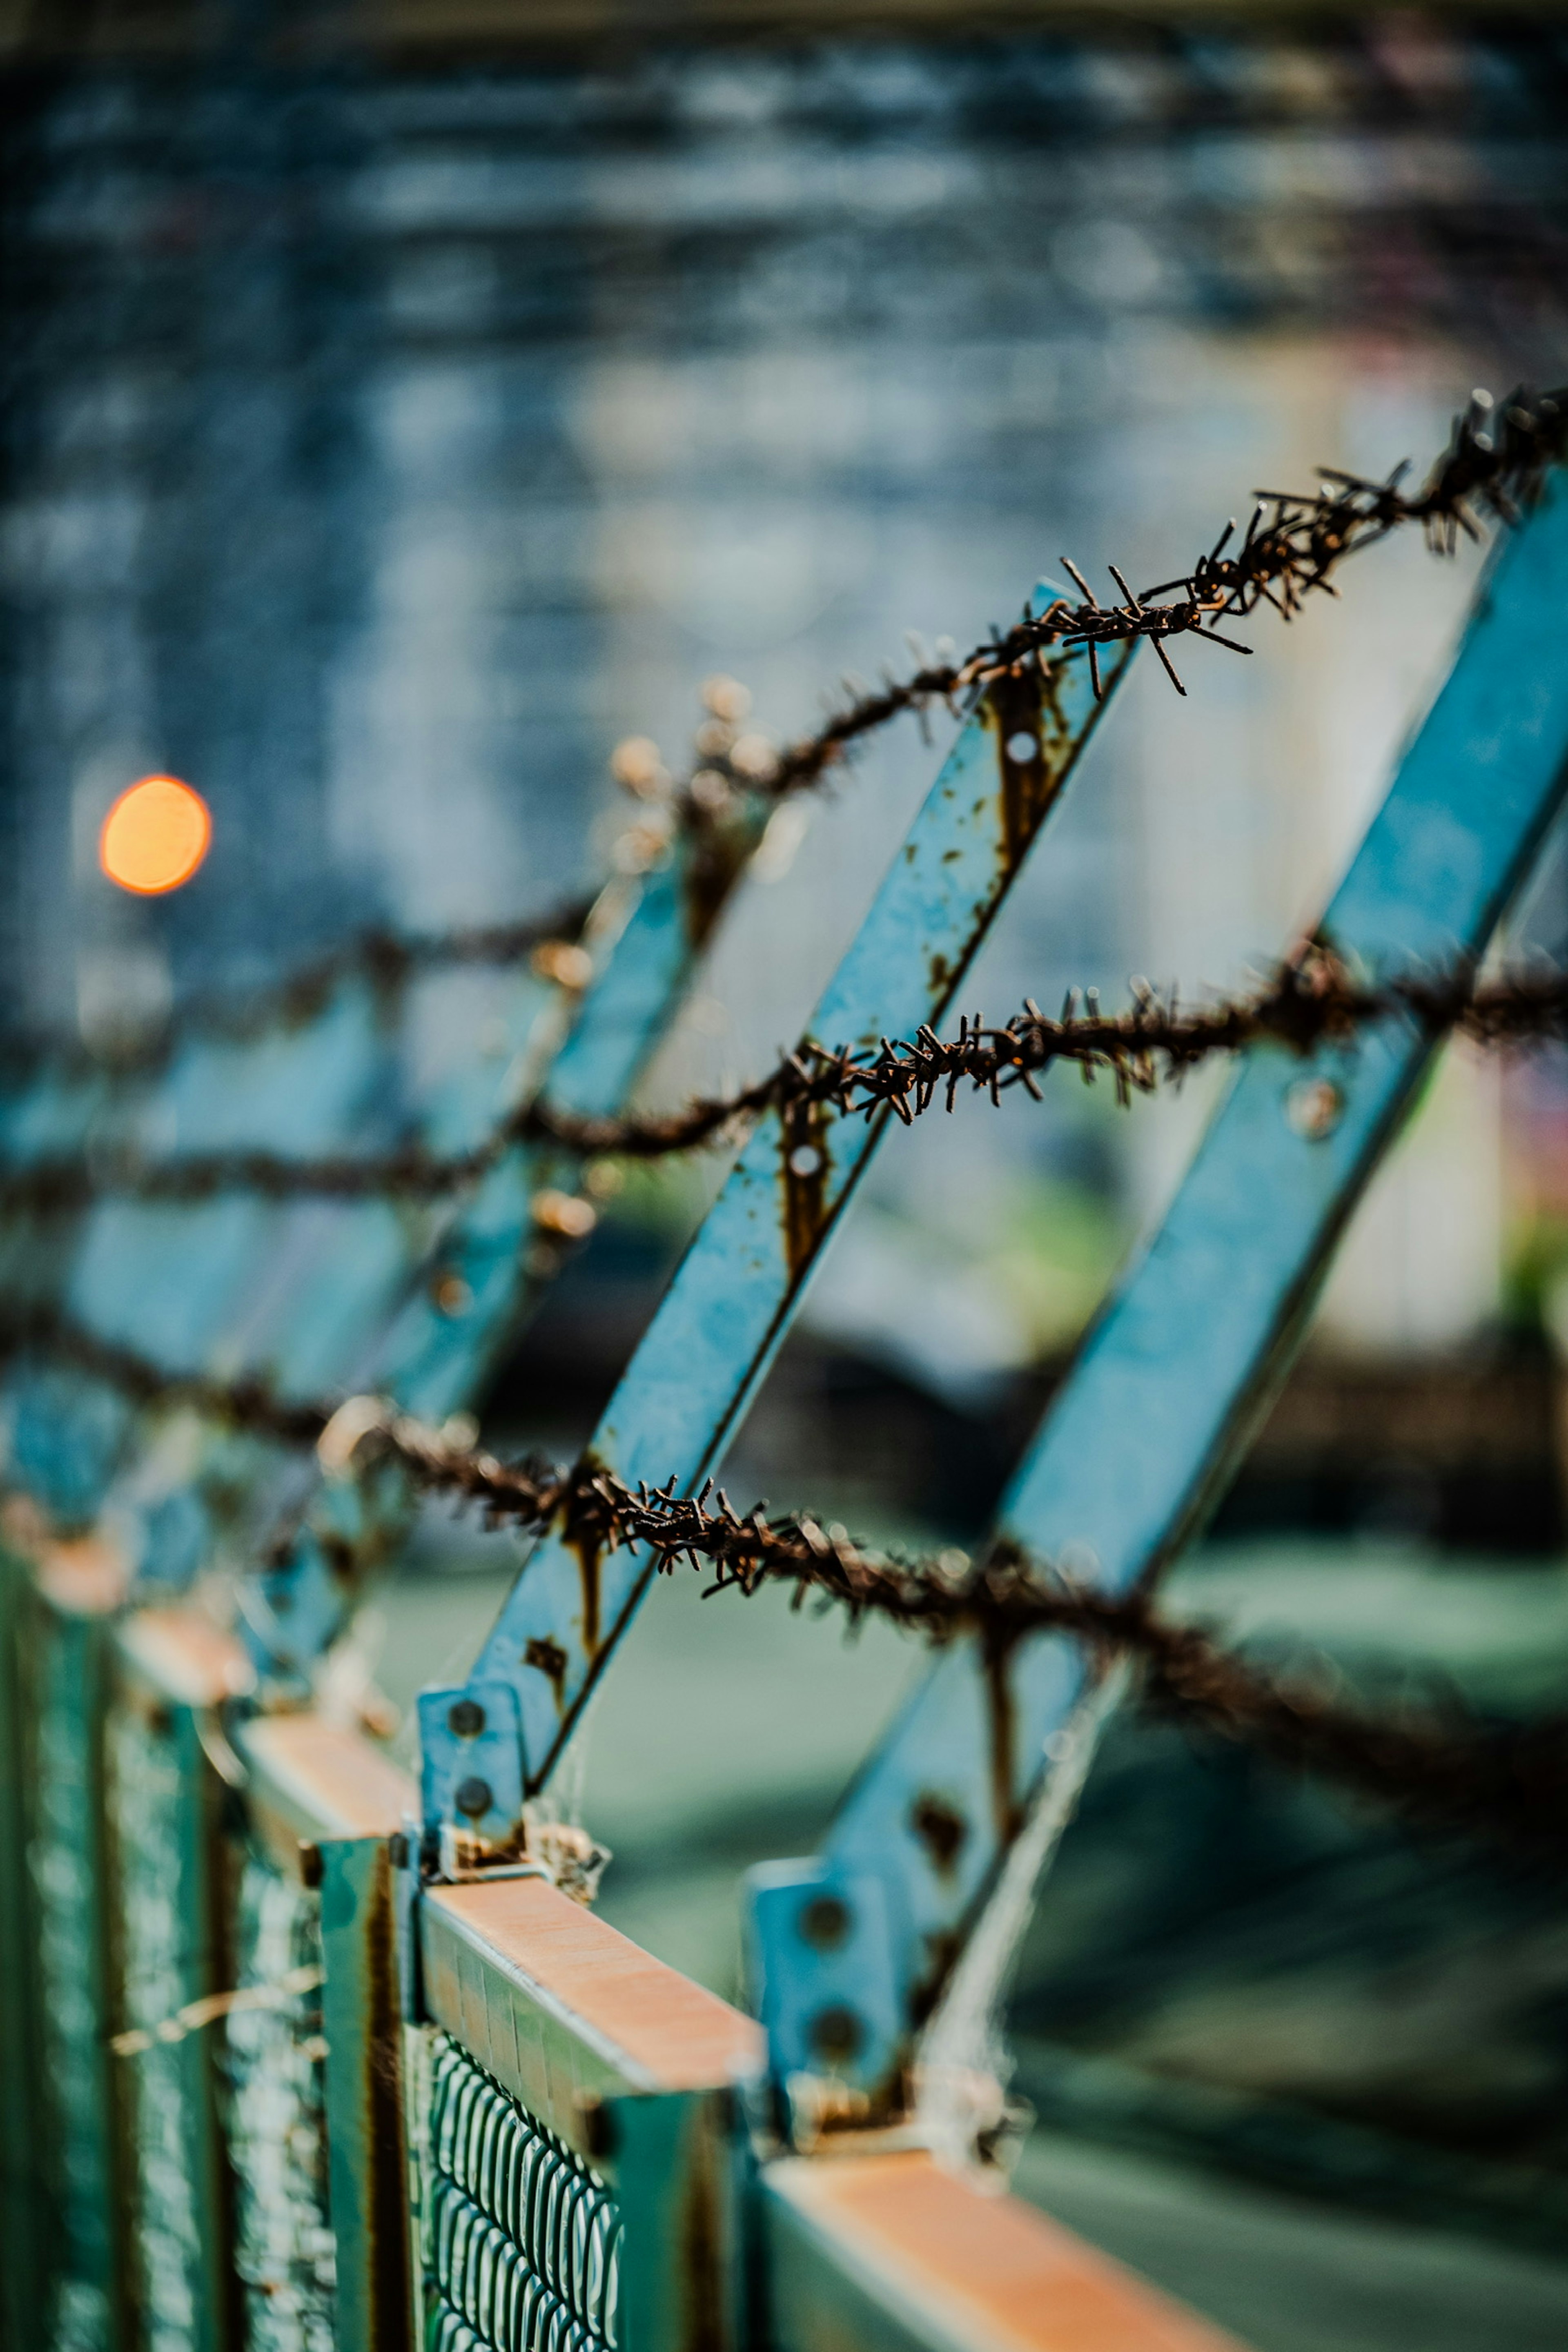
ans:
x=154 y=836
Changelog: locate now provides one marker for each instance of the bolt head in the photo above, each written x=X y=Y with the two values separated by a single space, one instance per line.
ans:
x=836 y=2035
x=824 y=1922
x=473 y=1797
x=452 y=1296
x=466 y=1718
x=1314 y=1108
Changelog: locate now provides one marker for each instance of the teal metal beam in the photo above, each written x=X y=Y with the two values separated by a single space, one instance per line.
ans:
x=725 y=1315
x=362 y=2018
x=853 y=1948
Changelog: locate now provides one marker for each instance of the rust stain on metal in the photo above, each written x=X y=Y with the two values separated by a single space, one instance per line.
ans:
x=803 y=1175
x=944 y=1947
x=584 y=1531
x=1004 y=1738
x=551 y=1660
x=702 y=2247
x=715 y=853
x=1015 y=707
x=941 y=1829
x=590 y=1554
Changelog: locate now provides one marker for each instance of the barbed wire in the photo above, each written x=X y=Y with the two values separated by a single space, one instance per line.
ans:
x=246 y=1404
x=1452 y=1773
x=1496 y=461
x=387 y=959
x=1151 y=1041
x=1448 y=1772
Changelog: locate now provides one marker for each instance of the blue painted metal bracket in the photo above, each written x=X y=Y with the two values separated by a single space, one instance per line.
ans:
x=851 y=1948
x=726 y=1312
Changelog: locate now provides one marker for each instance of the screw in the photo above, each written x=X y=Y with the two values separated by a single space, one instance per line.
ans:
x=836 y=2035
x=804 y=1160
x=473 y=1797
x=451 y=1293
x=466 y=1718
x=824 y=1922
x=1314 y=1108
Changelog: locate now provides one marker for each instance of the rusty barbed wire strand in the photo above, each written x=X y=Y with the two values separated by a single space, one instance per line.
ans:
x=387 y=959
x=1497 y=460
x=1509 y=1783
x=246 y=1403
x=1452 y=1771
x=1153 y=1041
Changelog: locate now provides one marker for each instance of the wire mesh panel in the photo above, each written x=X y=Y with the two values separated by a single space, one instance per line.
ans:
x=571 y=2103
x=171 y=1949
x=64 y=1657
x=521 y=2236
x=285 y=2253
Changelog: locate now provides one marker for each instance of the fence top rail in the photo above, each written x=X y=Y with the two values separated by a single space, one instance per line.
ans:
x=948 y=2263
x=563 y=2010
x=311 y=1777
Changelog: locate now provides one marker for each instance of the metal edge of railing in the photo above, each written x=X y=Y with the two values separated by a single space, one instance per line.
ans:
x=894 y=2253
x=24 y=2214
x=169 y=1800
x=728 y=2244
x=627 y=2062
x=324 y=1803
x=642 y=2071
x=67 y=2114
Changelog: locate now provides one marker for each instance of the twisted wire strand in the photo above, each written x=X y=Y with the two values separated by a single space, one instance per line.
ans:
x=387 y=959
x=1447 y=1771
x=1152 y=1041
x=1443 y=1769
x=1496 y=463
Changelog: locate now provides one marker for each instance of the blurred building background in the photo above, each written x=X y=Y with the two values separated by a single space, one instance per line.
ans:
x=403 y=404
x=392 y=427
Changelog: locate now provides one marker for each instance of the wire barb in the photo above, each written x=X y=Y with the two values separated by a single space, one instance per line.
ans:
x=1508 y=1783
x=1152 y=1042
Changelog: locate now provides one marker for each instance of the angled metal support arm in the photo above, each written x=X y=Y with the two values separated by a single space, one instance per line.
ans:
x=854 y=1948
x=726 y=1312
x=488 y=1266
